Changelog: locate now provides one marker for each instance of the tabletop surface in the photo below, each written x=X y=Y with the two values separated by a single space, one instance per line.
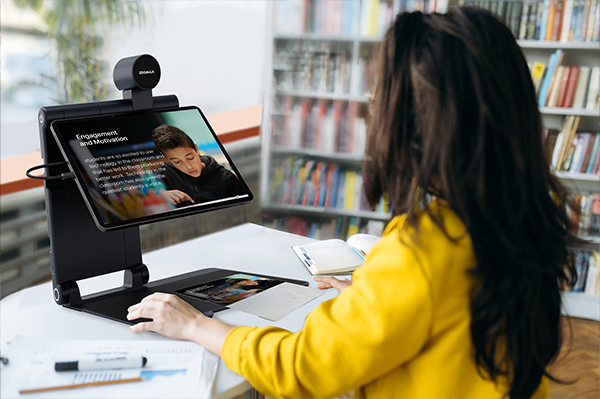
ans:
x=245 y=248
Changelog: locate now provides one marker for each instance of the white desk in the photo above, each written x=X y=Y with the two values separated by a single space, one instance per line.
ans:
x=247 y=248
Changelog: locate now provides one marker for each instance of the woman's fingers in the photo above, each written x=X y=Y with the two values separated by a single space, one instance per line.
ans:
x=332 y=282
x=151 y=306
x=142 y=327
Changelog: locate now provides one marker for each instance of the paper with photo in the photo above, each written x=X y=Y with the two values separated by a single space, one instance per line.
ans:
x=174 y=369
x=277 y=302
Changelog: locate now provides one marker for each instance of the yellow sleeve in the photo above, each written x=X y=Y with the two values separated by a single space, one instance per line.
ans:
x=380 y=322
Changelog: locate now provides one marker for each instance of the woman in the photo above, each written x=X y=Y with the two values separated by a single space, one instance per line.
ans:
x=460 y=298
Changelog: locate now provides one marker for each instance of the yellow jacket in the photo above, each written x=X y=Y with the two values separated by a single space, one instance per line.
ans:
x=401 y=330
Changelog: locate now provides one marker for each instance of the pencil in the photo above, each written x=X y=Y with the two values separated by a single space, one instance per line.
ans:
x=87 y=384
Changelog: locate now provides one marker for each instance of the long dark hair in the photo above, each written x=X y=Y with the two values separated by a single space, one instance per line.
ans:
x=455 y=117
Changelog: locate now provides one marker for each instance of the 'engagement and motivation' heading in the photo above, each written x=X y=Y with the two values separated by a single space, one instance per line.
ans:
x=95 y=138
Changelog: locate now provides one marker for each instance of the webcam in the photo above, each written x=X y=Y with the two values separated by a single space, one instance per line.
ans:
x=136 y=76
x=140 y=72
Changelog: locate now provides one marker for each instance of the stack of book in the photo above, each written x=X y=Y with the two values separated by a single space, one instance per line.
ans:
x=328 y=126
x=547 y=20
x=565 y=86
x=572 y=151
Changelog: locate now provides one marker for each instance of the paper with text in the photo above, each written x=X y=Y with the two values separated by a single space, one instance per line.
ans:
x=175 y=369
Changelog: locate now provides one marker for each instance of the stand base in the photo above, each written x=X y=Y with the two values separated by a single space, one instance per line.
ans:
x=114 y=306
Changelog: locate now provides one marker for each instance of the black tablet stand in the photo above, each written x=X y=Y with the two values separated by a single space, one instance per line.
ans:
x=79 y=250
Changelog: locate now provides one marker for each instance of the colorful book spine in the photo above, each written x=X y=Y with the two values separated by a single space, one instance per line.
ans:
x=592 y=97
x=549 y=75
x=546 y=20
x=562 y=91
x=588 y=153
x=571 y=86
x=567 y=16
x=593 y=155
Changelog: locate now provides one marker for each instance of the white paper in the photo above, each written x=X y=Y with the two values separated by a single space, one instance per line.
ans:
x=277 y=302
x=175 y=369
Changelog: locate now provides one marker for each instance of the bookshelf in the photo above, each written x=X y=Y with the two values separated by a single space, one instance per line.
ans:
x=315 y=102
x=317 y=75
x=581 y=49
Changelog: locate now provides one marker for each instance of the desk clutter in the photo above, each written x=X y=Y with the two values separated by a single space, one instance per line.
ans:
x=174 y=369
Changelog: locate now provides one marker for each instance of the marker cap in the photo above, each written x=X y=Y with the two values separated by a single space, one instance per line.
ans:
x=65 y=366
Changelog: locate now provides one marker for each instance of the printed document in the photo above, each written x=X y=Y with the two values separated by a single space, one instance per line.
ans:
x=175 y=369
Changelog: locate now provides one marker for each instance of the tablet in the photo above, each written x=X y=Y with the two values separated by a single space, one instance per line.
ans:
x=230 y=289
x=146 y=166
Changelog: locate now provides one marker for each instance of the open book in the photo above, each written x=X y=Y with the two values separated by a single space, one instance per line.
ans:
x=335 y=256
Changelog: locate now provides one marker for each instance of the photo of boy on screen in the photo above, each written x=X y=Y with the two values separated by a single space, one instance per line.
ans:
x=190 y=177
x=231 y=289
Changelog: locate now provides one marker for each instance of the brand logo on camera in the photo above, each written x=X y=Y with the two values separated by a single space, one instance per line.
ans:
x=151 y=72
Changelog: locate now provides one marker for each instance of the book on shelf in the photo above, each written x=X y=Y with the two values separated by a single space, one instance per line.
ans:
x=425 y=6
x=334 y=17
x=537 y=73
x=549 y=77
x=587 y=264
x=324 y=228
x=582 y=85
x=311 y=66
x=592 y=97
x=547 y=20
x=555 y=86
x=593 y=159
x=569 y=87
x=568 y=16
x=572 y=151
x=323 y=125
x=585 y=216
x=335 y=256
x=313 y=183
x=365 y=69
x=565 y=86
x=375 y=16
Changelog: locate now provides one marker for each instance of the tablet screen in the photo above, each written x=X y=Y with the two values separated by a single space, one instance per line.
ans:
x=146 y=166
x=230 y=289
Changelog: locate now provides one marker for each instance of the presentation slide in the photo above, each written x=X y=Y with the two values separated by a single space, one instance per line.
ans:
x=231 y=289
x=143 y=164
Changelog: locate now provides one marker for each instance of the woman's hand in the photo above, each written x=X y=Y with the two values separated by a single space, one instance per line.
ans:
x=332 y=282
x=170 y=316
x=176 y=196
x=175 y=318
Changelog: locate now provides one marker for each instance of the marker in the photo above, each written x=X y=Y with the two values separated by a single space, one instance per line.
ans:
x=102 y=363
